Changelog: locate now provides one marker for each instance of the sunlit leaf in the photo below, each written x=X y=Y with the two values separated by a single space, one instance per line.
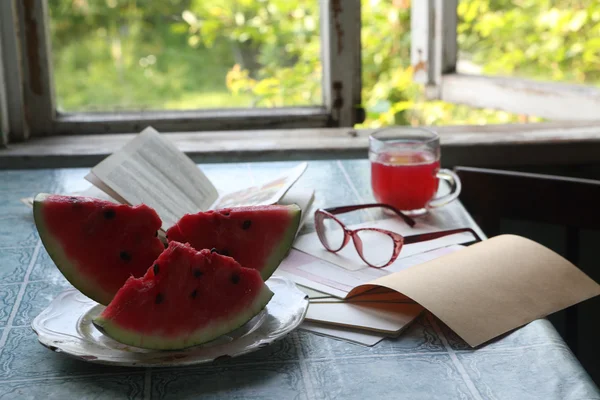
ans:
x=189 y=17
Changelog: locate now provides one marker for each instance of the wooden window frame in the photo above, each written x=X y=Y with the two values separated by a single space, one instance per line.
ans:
x=434 y=53
x=31 y=106
x=12 y=105
x=4 y=124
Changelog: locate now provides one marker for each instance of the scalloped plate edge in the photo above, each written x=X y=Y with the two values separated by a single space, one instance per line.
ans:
x=72 y=344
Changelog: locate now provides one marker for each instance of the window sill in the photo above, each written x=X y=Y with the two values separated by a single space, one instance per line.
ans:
x=490 y=145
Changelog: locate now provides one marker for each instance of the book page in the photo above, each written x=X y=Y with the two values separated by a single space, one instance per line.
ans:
x=389 y=318
x=151 y=170
x=389 y=296
x=310 y=271
x=354 y=335
x=101 y=187
x=265 y=194
x=492 y=287
x=312 y=293
x=303 y=198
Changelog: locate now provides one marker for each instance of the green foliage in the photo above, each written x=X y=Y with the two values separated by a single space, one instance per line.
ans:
x=276 y=43
x=132 y=55
x=551 y=40
x=143 y=54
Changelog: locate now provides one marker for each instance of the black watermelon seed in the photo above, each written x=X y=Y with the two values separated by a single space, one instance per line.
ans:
x=197 y=273
x=246 y=224
x=166 y=245
x=156 y=234
x=125 y=256
x=213 y=250
x=159 y=298
x=77 y=205
x=235 y=278
x=109 y=214
x=226 y=213
x=194 y=294
x=156 y=269
x=225 y=253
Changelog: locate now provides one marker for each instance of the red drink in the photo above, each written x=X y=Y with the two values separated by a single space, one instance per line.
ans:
x=405 y=180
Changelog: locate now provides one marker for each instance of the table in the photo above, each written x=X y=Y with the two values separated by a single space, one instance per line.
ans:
x=428 y=361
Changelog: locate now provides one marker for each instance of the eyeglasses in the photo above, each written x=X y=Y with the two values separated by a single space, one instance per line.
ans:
x=334 y=235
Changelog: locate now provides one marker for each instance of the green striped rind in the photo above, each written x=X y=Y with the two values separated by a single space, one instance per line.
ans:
x=279 y=252
x=64 y=264
x=206 y=334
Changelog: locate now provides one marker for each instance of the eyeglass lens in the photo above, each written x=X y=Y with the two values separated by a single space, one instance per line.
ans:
x=330 y=232
x=377 y=247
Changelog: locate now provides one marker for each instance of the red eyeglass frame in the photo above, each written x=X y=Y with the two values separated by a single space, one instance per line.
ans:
x=398 y=239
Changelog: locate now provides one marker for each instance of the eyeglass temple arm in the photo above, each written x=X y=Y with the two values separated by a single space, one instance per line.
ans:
x=423 y=237
x=345 y=209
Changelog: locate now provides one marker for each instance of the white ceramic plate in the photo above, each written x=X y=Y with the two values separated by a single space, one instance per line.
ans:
x=66 y=327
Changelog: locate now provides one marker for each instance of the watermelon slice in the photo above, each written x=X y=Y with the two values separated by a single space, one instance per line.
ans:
x=97 y=244
x=258 y=237
x=186 y=298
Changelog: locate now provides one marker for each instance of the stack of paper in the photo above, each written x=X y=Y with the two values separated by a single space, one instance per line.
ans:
x=480 y=291
x=329 y=277
x=366 y=318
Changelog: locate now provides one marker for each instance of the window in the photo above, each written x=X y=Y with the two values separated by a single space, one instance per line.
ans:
x=65 y=44
x=441 y=55
x=96 y=66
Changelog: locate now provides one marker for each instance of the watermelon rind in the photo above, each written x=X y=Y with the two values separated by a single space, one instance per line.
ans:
x=62 y=261
x=279 y=252
x=204 y=335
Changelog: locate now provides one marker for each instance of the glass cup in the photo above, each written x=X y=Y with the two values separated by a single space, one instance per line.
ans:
x=405 y=169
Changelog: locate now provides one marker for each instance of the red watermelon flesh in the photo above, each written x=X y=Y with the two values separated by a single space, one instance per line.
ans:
x=96 y=244
x=257 y=237
x=186 y=298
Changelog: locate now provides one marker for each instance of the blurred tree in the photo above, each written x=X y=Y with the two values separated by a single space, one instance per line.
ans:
x=541 y=39
x=276 y=45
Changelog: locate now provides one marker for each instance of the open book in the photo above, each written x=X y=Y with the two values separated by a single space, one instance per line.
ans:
x=151 y=170
x=480 y=291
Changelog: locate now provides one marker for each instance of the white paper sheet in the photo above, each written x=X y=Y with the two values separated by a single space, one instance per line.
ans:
x=312 y=272
x=388 y=297
x=270 y=192
x=388 y=318
x=358 y=336
x=314 y=294
x=303 y=198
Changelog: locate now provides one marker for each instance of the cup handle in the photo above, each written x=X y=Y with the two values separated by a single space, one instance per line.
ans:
x=455 y=187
